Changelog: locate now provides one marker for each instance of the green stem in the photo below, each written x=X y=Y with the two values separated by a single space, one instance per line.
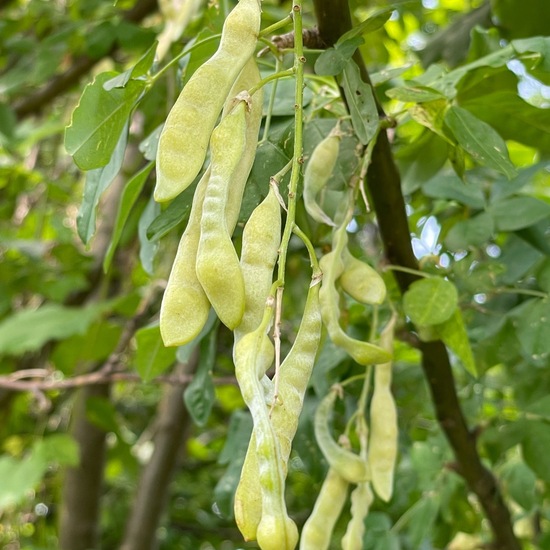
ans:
x=272 y=98
x=311 y=250
x=276 y=26
x=404 y=269
x=297 y=158
x=523 y=291
x=156 y=76
x=274 y=76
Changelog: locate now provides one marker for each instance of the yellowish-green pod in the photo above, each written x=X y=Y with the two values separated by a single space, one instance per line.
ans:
x=276 y=531
x=218 y=268
x=260 y=248
x=294 y=374
x=361 y=281
x=361 y=499
x=318 y=170
x=184 y=139
x=317 y=531
x=352 y=467
x=249 y=77
x=185 y=306
x=332 y=266
x=383 y=439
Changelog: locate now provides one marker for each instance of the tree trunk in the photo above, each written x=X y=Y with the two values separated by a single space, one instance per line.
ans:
x=172 y=426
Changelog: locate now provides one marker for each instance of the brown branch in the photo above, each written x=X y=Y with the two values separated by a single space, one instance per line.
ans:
x=34 y=103
x=171 y=430
x=384 y=184
x=14 y=383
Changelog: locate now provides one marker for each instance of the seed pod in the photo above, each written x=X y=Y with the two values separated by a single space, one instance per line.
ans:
x=317 y=530
x=218 y=268
x=361 y=281
x=317 y=173
x=383 y=440
x=184 y=139
x=361 y=499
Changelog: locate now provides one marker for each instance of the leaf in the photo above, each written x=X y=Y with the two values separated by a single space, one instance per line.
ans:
x=415 y=94
x=148 y=249
x=541 y=407
x=28 y=330
x=430 y=301
x=361 y=102
x=333 y=60
x=141 y=68
x=421 y=518
x=450 y=187
x=475 y=231
x=175 y=213
x=151 y=358
x=97 y=181
x=60 y=449
x=518 y=212
x=373 y=22
x=534 y=447
x=150 y=144
x=520 y=482
x=480 y=140
x=453 y=334
x=533 y=329
x=98 y=121
x=199 y=395
x=127 y=200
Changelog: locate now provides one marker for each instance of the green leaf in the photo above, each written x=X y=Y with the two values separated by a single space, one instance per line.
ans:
x=541 y=407
x=475 y=231
x=127 y=200
x=361 y=102
x=150 y=144
x=480 y=140
x=97 y=181
x=430 y=301
x=373 y=22
x=520 y=482
x=414 y=94
x=533 y=329
x=421 y=518
x=518 y=212
x=28 y=330
x=333 y=60
x=199 y=395
x=175 y=213
x=148 y=248
x=453 y=334
x=534 y=447
x=98 y=121
x=140 y=69
x=59 y=449
x=451 y=187
x=152 y=358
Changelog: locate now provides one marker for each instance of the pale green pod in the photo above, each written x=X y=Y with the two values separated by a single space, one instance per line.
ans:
x=361 y=281
x=259 y=252
x=217 y=267
x=185 y=306
x=361 y=499
x=275 y=529
x=318 y=170
x=352 y=467
x=383 y=440
x=317 y=531
x=184 y=139
x=364 y=353
x=294 y=374
x=249 y=77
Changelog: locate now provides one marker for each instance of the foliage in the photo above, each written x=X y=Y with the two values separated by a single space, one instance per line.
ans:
x=85 y=251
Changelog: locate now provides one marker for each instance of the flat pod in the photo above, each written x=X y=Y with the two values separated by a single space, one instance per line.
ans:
x=361 y=281
x=185 y=306
x=317 y=173
x=184 y=139
x=217 y=267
